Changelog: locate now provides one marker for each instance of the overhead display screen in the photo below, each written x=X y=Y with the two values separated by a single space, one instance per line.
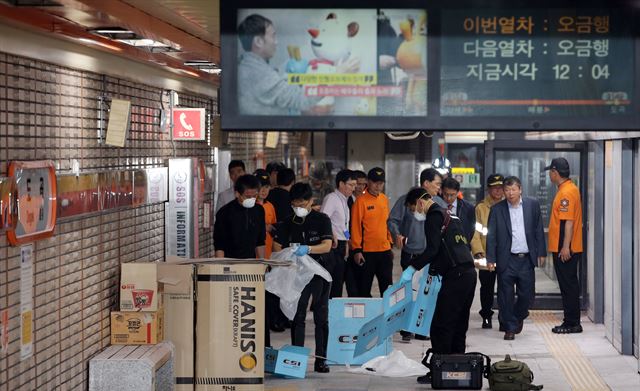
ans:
x=332 y=62
x=537 y=63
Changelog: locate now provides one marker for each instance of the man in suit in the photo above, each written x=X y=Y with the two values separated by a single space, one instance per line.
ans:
x=465 y=211
x=515 y=246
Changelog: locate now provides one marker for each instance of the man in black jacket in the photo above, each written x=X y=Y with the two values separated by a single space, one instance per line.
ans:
x=240 y=230
x=455 y=264
x=459 y=207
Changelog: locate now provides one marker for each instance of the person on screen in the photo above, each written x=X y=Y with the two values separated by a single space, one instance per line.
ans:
x=261 y=89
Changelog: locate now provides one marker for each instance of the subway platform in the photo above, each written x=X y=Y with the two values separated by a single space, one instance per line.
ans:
x=571 y=362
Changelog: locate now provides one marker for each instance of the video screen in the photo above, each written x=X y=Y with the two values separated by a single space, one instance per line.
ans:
x=332 y=62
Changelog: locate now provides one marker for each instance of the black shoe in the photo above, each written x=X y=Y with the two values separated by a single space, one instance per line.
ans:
x=321 y=366
x=486 y=323
x=509 y=336
x=406 y=337
x=520 y=325
x=421 y=337
x=426 y=379
x=566 y=329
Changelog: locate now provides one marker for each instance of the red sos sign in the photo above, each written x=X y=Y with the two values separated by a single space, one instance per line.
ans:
x=188 y=124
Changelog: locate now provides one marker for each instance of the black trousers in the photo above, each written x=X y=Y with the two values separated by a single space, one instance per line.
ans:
x=519 y=273
x=487 y=289
x=567 y=273
x=319 y=289
x=379 y=265
x=338 y=273
x=451 y=318
x=352 y=277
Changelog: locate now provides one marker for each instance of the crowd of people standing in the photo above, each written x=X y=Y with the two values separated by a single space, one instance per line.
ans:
x=352 y=230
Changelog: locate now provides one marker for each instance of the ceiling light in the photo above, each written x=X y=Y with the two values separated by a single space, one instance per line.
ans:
x=204 y=66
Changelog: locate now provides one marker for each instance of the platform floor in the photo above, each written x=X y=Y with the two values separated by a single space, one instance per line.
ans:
x=578 y=362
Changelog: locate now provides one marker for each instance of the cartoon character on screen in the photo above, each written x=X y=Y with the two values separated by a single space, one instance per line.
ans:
x=331 y=44
x=412 y=58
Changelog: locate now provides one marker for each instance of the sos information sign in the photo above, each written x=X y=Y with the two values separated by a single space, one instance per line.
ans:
x=188 y=124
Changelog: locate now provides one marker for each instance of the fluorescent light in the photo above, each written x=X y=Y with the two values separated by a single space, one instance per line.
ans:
x=115 y=30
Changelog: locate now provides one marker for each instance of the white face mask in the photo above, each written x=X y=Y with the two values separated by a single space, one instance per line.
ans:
x=419 y=216
x=249 y=203
x=300 y=212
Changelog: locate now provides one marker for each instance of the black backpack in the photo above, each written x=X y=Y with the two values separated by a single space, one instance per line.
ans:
x=454 y=241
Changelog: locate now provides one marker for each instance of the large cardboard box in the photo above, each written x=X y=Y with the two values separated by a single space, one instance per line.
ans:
x=139 y=287
x=288 y=361
x=136 y=328
x=424 y=305
x=346 y=318
x=397 y=303
x=179 y=319
x=230 y=326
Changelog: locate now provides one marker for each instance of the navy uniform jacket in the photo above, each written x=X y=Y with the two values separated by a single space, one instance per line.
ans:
x=499 y=236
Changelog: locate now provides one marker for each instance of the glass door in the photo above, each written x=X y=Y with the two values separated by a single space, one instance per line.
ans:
x=527 y=160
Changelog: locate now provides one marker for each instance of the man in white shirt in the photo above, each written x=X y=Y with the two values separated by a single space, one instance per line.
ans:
x=335 y=205
x=515 y=246
x=236 y=170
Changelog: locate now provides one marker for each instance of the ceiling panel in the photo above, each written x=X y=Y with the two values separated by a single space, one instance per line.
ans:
x=198 y=17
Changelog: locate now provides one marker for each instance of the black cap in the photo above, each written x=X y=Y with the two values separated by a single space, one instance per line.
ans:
x=376 y=174
x=558 y=164
x=262 y=176
x=495 y=180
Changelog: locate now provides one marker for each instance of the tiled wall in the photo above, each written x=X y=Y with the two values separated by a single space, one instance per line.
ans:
x=50 y=112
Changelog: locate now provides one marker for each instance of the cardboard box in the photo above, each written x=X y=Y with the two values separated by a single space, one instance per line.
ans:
x=136 y=328
x=139 y=287
x=346 y=318
x=230 y=326
x=397 y=301
x=179 y=320
x=397 y=304
x=424 y=306
x=288 y=361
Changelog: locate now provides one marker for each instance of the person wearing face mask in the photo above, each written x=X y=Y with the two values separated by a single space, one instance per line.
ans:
x=240 y=230
x=370 y=237
x=312 y=232
x=406 y=224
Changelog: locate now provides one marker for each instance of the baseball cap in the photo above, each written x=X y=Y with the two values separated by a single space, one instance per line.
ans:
x=558 y=164
x=376 y=174
x=495 y=180
x=262 y=176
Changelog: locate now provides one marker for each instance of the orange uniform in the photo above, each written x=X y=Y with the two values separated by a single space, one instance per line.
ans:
x=269 y=218
x=566 y=206
x=369 y=232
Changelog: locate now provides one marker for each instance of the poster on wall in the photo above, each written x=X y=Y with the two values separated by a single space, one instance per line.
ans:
x=77 y=194
x=8 y=205
x=36 y=195
x=26 y=302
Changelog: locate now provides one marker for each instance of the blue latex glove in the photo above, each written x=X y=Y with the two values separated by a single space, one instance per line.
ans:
x=407 y=274
x=302 y=250
x=296 y=66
